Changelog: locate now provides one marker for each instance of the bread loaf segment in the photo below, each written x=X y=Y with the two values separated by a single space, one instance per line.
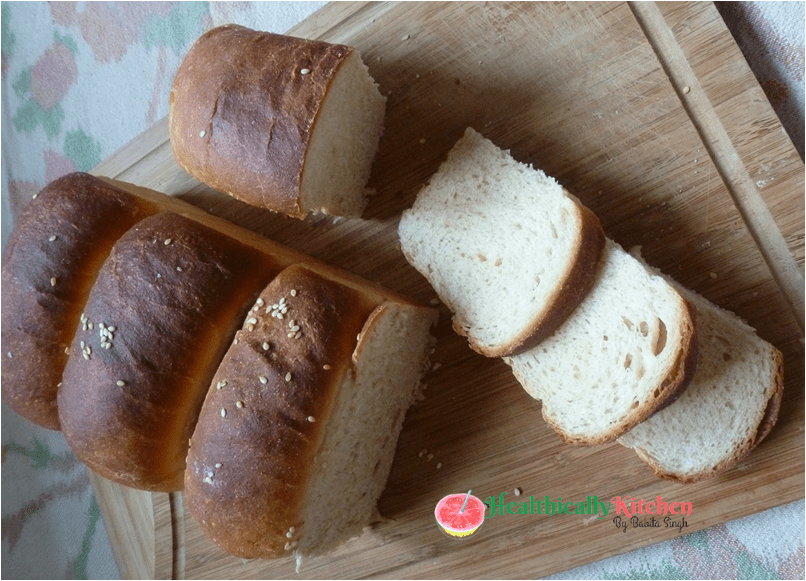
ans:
x=303 y=415
x=53 y=256
x=160 y=316
x=266 y=411
x=284 y=123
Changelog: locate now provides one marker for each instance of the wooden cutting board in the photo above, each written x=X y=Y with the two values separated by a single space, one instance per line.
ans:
x=651 y=116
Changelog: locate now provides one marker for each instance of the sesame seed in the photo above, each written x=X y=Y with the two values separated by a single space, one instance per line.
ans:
x=326 y=366
x=218 y=464
x=90 y=325
x=439 y=465
x=239 y=404
x=288 y=376
x=265 y=346
x=235 y=341
x=298 y=335
x=422 y=452
x=250 y=327
x=208 y=480
x=120 y=383
x=311 y=419
x=53 y=281
x=282 y=302
x=82 y=344
x=518 y=491
x=52 y=238
x=293 y=292
x=259 y=302
x=178 y=269
x=304 y=71
x=252 y=321
x=167 y=241
x=430 y=457
x=202 y=133
x=295 y=328
x=405 y=37
x=85 y=356
x=263 y=379
x=8 y=354
x=280 y=315
x=289 y=534
x=112 y=328
x=223 y=413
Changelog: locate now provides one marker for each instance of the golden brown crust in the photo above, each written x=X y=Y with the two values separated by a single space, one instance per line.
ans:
x=50 y=264
x=168 y=297
x=242 y=108
x=266 y=410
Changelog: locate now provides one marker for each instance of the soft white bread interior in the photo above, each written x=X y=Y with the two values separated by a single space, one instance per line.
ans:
x=284 y=123
x=730 y=405
x=345 y=138
x=506 y=248
x=303 y=415
x=627 y=350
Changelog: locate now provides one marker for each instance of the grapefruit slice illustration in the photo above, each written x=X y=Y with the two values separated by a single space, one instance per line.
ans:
x=460 y=515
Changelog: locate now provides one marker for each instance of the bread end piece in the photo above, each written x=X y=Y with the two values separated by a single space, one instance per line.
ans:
x=303 y=415
x=279 y=122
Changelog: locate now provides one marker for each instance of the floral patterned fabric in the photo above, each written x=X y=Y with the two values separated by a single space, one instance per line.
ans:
x=80 y=80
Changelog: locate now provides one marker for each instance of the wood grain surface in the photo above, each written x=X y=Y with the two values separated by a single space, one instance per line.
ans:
x=650 y=115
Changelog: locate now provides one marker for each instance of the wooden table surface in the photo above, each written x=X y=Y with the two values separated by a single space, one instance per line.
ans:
x=650 y=115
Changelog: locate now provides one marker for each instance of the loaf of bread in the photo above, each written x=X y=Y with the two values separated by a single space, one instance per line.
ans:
x=50 y=263
x=303 y=417
x=508 y=250
x=161 y=311
x=628 y=350
x=283 y=123
x=730 y=406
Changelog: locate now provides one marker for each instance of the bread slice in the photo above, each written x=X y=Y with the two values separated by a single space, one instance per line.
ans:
x=284 y=123
x=627 y=350
x=160 y=316
x=303 y=416
x=730 y=406
x=58 y=245
x=505 y=247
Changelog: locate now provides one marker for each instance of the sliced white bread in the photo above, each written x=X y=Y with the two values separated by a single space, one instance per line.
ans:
x=507 y=249
x=730 y=405
x=627 y=350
